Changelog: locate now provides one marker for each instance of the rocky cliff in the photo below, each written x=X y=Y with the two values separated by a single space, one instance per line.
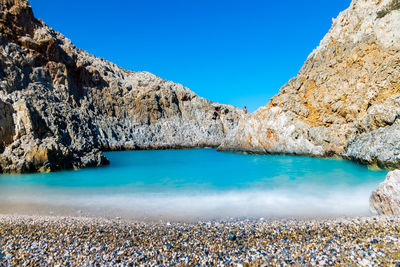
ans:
x=60 y=107
x=345 y=100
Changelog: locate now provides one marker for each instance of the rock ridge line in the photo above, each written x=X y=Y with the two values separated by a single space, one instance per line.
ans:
x=345 y=100
x=60 y=107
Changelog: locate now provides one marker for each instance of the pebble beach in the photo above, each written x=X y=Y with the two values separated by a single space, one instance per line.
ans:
x=81 y=241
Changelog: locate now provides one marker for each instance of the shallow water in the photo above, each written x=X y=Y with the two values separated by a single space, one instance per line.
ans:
x=196 y=184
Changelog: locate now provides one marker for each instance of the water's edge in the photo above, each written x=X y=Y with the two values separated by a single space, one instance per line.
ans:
x=196 y=184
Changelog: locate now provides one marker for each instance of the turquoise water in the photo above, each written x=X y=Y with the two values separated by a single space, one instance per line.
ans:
x=198 y=183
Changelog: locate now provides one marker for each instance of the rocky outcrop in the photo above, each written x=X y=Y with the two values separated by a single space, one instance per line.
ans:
x=385 y=199
x=345 y=100
x=60 y=107
x=7 y=127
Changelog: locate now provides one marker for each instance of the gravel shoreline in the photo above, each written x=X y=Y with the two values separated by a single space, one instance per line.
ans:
x=72 y=241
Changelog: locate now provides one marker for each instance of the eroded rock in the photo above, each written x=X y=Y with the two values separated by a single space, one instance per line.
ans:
x=60 y=106
x=385 y=199
x=344 y=100
x=7 y=127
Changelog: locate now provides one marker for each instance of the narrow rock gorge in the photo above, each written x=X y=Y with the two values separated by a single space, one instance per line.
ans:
x=60 y=107
x=345 y=100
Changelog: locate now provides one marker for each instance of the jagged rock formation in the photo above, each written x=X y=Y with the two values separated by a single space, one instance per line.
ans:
x=345 y=100
x=60 y=107
x=385 y=199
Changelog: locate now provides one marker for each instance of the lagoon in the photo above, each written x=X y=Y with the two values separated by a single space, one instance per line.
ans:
x=196 y=184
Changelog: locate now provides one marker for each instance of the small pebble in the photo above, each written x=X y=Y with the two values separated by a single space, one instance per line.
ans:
x=82 y=241
x=232 y=237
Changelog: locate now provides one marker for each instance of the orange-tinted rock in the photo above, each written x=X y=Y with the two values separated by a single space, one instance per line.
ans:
x=345 y=100
x=66 y=105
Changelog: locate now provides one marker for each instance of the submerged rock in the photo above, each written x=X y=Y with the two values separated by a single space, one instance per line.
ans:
x=60 y=107
x=385 y=199
x=345 y=100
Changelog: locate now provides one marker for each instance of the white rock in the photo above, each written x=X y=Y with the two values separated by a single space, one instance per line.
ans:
x=385 y=199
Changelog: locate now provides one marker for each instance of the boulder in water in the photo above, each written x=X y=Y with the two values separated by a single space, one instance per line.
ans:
x=385 y=199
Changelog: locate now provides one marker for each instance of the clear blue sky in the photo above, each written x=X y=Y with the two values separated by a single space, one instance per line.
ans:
x=234 y=52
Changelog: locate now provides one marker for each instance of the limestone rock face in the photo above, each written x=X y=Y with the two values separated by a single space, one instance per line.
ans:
x=60 y=107
x=345 y=100
x=7 y=127
x=385 y=199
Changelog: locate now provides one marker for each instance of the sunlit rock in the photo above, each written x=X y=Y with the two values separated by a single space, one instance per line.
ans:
x=344 y=100
x=60 y=106
x=385 y=199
